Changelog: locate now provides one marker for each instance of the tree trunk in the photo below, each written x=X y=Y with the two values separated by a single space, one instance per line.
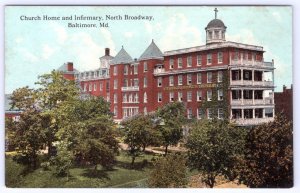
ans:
x=132 y=161
x=144 y=147
x=49 y=149
x=166 y=150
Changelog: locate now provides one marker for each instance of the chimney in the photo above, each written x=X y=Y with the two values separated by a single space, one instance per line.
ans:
x=70 y=66
x=106 y=51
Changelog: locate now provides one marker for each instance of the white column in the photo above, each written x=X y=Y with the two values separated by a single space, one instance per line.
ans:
x=242 y=96
x=242 y=76
x=242 y=113
x=253 y=102
x=252 y=77
x=264 y=111
x=253 y=111
x=273 y=112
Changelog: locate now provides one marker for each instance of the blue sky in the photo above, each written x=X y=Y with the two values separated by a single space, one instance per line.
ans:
x=33 y=48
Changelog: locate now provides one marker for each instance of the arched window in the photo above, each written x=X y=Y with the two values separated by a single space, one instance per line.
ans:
x=145 y=97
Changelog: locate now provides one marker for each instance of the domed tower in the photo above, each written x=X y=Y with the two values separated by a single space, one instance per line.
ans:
x=215 y=30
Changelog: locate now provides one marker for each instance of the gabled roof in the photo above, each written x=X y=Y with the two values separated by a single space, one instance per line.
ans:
x=151 y=52
x=122 y=57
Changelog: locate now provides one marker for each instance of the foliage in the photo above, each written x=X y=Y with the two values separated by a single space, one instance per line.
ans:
x=169 y=172
x=88 y=127
x=63 y=160
x=269 y=155
x=13 y=173
x=23 y=98
x=213 y=149
x=28 y=136
x=172 y=118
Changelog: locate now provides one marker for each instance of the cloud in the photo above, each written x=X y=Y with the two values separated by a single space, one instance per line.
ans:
x=243 y=36
x=28 y=56
x=128 y=34
x=277 y=16
x=60 y=31
x=47 y=51
x=106 y=35
x=19 y=40
x=177 y=34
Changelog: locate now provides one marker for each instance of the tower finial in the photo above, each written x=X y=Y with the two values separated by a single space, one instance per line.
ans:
x=216 y=12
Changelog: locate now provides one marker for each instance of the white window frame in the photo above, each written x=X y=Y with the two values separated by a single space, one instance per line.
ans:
x=209 y=77
x=90 y=87
x=189 y=96
x=171 y=80
x=220 y=57
x=115 y=98
x=145 y=82
x=220 y=112
x=136 y=97
x=199 y=60
x=130 y=98
x=189 y=79
x=124 y=98
x=126 y=70
x=199 y=113
x=115 y=111
x=115 y=71
x=180 y=96
x=145 y=97
x=136 y=82
x=159 y=97
x=135 y=69
x=159 y=82
x=209 y=113
x=95 y=87
x=220 y=76
x=189 y=61
x=85 y=87
x=220 y=95
x=179 y=60
x=189 y=113
x=171 y=96
x=180 y=79
x=115 y=84
x=199 y=95
x=145 y=67
x=209 y=95
x=199 y=78
x=145 y=111
x=101 y=86
x=171 y=63
x=209 y=59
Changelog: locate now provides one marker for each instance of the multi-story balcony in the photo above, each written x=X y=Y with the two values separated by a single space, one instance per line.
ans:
x=253 y=63
x=130 y=88
x=254 y=121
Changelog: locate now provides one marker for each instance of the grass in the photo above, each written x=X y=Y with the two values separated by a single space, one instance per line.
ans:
x=122 y=175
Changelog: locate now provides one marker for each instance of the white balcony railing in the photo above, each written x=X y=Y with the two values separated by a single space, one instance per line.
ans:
x=130 y=88
x=251 y=63
x=251 y=83
x=265 y=101
x=254 y=121
x=159 y=70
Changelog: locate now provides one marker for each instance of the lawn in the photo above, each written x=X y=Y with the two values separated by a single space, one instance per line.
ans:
x=122 y=175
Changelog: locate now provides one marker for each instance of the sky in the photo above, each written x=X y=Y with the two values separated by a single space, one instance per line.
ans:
x=33 y=48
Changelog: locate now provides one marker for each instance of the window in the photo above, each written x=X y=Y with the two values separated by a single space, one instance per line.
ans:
x=254 y=56
x=220 y=57
x=189 y=79
x=220 y=76
x=145 y=110
x=171 y=63
x=136 y=82
x=135 y=69
x=189 y=113
x=145 y=67
x=145 y=97
x=217 y=34
x=209 y=77
x=130 y=98
x=115 y=70
x=179 y=62
x=209 y=113
x=115 y=84
x=171 y=81
x=179 y=79
x=124 y=98
x=85 y=87
x=126 y=69
x=180 y=97
x=159 y=81
x=208 y=59
x=136 y=98
x=189 y=96
x=101 y=86
x=200 y=113
x=199 y=60
x=145 y=82
x=209 y=95
x=199 y=95
x=268 y=112
x=189 y=61
x=115 y=111
x=159 y=97
x=125 y=83
x=95 y=86
x=220 y=95
x=199 y=78
x=236 y=54
x=125 y=113
x=90 y=87
x=107 y=97
x=210 y=35
x=115 y=98
x=220 y=114
x=171 y=95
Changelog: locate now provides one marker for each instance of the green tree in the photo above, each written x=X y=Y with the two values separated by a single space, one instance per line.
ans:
x=269 y=155
x=88 y=127
x=169 y=172
x=54 y=90
x=214 y=146
x=171 y=119
x=23 y=98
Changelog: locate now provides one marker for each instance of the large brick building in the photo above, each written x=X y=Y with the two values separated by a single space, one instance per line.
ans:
x=194 y=76
x=284 y=102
